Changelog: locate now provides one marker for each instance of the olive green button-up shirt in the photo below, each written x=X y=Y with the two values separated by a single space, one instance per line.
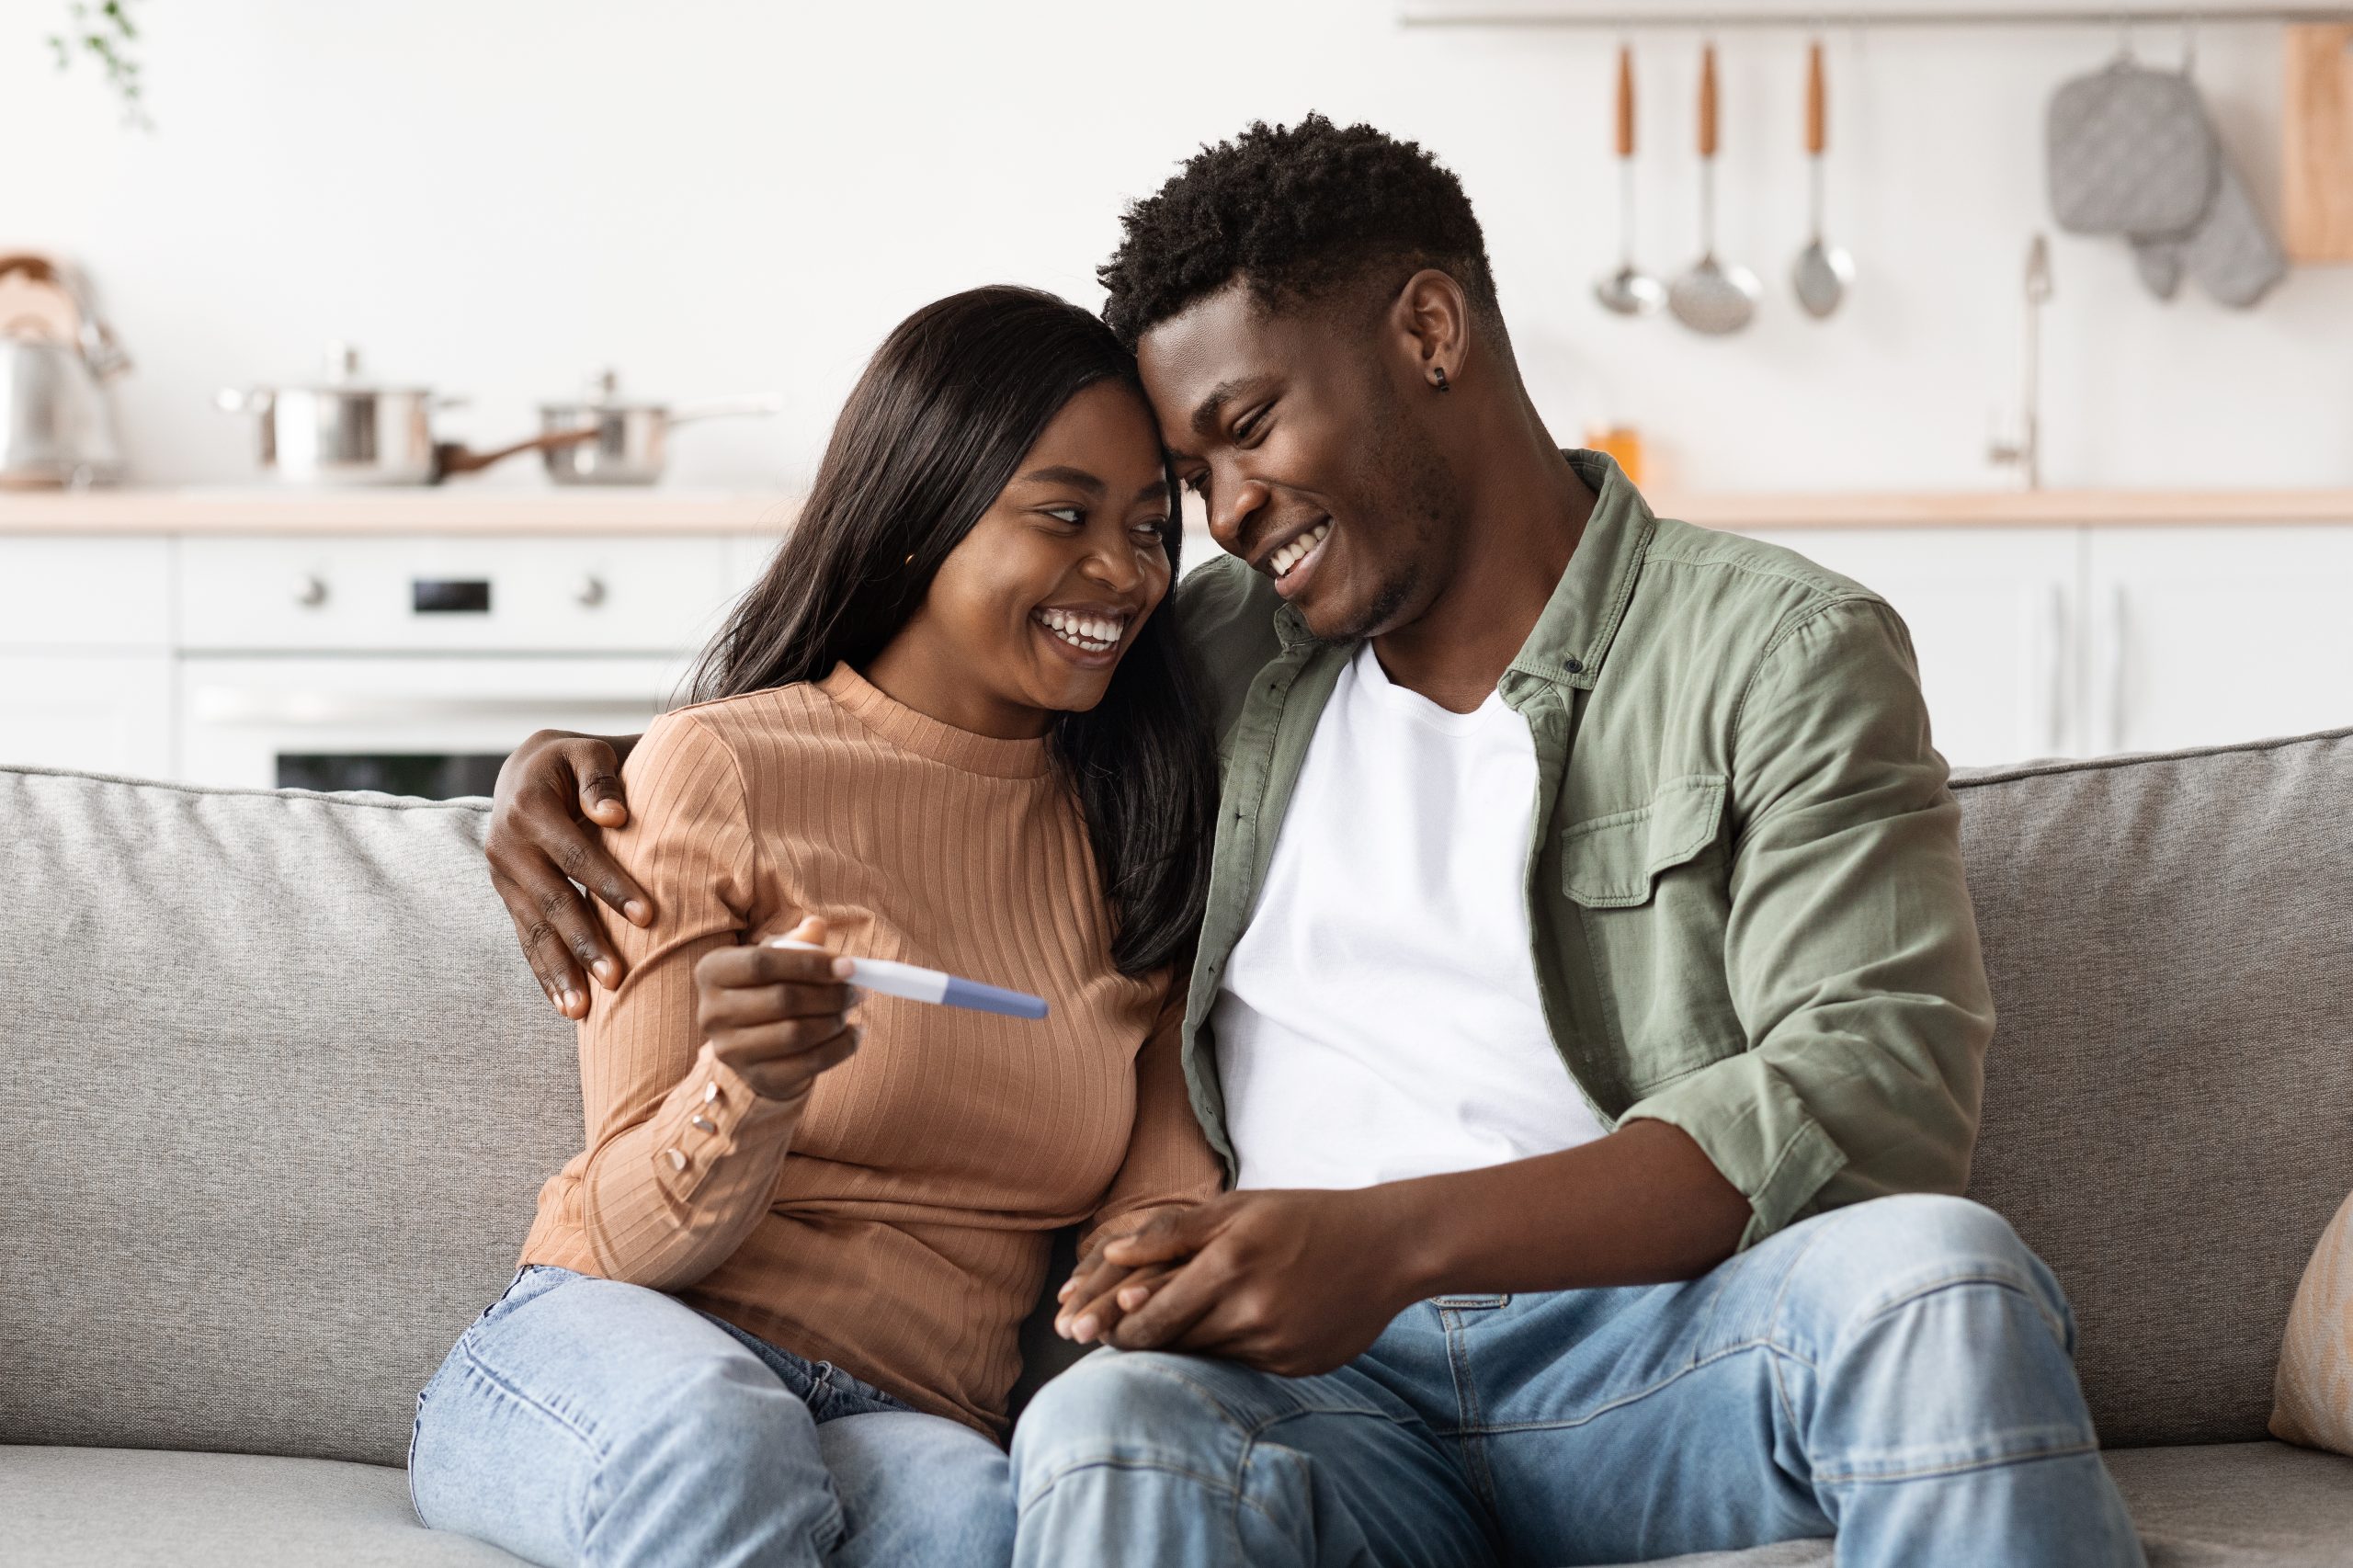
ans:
x=1743 y=878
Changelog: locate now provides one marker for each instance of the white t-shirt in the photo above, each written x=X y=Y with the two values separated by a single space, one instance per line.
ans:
x=1378 y=1017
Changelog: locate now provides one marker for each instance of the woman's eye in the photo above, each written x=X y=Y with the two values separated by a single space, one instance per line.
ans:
x=1155 y=528
x=1071 y=515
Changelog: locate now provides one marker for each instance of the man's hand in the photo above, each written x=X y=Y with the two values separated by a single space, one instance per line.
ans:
x=552 y=792
x=1294 y=1283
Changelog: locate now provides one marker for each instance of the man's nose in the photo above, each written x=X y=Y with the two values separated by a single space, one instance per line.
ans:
x=1228 y=520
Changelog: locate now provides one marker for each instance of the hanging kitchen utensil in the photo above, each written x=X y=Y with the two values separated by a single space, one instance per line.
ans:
x=1629 y=291
x=627 y=440
x=56 y=357
x=2131 y=151
x=1823 y=272
x=2234 y=254
x=342 y=431
x=1711 y=297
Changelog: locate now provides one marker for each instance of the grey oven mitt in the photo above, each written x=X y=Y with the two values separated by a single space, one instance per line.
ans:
x=2131 y=151
x=2234 y=254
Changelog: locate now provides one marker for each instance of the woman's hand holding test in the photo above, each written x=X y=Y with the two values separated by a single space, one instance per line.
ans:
x=779 y=1016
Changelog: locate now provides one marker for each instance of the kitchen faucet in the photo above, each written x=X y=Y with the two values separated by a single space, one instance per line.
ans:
x=2025 y=452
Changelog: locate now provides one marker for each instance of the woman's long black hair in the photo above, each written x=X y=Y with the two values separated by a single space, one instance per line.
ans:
x=935 y=428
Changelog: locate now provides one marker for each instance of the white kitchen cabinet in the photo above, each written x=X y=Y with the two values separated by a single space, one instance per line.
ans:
x=112 y=593
x=105 y=712
x=1993 y=615
x=2202 y=636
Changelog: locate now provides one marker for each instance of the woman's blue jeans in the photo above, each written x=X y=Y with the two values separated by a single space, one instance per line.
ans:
x=1898 y=1372
x=585 y=1421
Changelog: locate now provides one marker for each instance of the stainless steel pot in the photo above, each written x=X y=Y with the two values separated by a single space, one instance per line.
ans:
x=619 y=442
x=346 y=432
x=56 y=357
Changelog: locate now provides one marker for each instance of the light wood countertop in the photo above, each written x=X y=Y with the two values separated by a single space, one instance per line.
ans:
x=459 y=509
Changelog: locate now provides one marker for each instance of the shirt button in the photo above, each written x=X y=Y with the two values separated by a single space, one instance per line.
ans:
x=1574 y=667
x=702 y=1124
x=677 y=1160
x=710 y=1092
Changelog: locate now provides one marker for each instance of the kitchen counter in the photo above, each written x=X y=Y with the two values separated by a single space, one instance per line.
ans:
x=459 y=509
x=452 y=509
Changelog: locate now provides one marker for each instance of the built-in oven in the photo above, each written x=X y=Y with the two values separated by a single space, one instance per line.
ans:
x=413 y=666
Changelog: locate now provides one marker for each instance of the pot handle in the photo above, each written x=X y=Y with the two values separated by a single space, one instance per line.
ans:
x=451 y=456
x=723 y=407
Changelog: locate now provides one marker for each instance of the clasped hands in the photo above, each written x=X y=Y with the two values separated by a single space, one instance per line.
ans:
x=1290 y=1282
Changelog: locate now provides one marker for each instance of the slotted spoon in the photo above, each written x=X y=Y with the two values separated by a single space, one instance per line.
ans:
x=1713 y=297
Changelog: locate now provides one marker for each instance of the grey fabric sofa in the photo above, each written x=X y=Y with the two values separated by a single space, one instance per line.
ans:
x=277 y=1094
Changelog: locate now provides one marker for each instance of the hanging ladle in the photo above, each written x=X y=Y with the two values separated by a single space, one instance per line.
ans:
x=1630 y=291
x=1712 y=298
x=1823 y=271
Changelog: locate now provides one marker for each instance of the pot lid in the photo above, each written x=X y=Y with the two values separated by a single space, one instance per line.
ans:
x=602 y=394
x=340 y=373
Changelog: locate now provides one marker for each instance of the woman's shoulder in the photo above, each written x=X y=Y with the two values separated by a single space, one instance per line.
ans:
x=771 y=723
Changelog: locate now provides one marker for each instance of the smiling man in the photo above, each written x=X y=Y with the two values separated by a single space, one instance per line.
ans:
x=1588 y=1009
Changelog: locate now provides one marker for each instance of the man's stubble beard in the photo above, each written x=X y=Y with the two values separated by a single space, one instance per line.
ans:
x=1404 y=465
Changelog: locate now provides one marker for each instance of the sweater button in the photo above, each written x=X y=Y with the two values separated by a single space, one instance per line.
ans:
x=677 y=1160
x=702 y=1123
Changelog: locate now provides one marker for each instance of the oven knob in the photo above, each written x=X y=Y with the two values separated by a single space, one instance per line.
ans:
x=591 y=591
x=310 y=590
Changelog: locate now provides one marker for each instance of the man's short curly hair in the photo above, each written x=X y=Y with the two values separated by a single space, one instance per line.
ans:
x=1293 y=211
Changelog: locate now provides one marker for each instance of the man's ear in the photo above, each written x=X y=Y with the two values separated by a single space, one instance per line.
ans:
x=1431 y=317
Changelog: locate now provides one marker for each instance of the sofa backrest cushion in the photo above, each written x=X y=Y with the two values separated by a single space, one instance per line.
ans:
x=2168 y=1115
x=276 y=1094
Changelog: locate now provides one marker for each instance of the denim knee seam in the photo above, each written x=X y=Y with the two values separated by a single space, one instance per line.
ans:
x=1956 y=1467
x=1999 y=1278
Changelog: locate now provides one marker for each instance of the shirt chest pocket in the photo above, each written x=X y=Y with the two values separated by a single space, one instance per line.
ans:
x=1647 y=889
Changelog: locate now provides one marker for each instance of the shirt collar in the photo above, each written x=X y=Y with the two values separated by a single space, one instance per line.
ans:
x=1572 y=637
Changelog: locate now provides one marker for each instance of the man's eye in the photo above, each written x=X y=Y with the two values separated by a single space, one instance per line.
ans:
x=1251 y=426
x=1198 y=483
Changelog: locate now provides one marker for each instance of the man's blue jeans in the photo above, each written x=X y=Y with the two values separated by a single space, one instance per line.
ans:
x=585 y=1421
x=1897 y=1372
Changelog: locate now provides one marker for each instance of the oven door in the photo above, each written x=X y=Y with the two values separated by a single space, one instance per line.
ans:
x=436 y=726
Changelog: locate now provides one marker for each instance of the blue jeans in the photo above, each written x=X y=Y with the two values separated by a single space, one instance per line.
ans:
x=1897 y=1372
x=585 y=1421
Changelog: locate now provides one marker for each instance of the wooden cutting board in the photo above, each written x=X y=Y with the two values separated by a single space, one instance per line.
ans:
x=2317 y=163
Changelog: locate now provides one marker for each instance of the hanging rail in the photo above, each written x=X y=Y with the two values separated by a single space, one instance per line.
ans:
x=1441 y=14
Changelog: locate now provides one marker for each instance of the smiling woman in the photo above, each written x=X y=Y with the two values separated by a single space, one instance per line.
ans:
x=949 y=726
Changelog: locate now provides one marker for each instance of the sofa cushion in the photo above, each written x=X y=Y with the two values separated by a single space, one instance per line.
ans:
x=2239 y=1506
x=2168 y=1093
x=279 y=1092
x=129 y=1508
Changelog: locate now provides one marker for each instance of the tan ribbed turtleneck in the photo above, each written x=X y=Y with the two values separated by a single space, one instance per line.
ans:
x=905 y=1234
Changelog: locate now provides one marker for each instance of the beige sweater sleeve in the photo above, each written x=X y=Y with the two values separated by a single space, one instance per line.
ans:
x=683 y=1156
x=1168 y=1161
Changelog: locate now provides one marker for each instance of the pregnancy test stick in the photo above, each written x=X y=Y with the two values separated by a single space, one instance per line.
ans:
x=919 y=984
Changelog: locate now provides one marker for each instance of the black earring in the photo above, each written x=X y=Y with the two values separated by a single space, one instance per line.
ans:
x=1443 y=384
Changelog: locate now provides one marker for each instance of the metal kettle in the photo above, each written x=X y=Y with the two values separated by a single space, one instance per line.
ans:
x=56 y=357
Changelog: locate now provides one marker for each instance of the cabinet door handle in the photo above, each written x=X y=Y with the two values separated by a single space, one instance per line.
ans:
x=2110 y=676
x=2045 y=614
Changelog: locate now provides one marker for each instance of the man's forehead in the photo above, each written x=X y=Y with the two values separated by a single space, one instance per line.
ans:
x=1205 y=354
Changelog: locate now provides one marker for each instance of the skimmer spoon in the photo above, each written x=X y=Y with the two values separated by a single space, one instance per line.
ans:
x=1712 y=298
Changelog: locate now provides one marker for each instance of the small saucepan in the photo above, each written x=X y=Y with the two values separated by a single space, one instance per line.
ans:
x=344 y=431
x=609 y=440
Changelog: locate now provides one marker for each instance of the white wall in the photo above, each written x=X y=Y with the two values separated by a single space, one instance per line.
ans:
x=495 y=196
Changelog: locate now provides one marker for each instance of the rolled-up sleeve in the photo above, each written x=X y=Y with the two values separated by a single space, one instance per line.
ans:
x=1851 y=948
